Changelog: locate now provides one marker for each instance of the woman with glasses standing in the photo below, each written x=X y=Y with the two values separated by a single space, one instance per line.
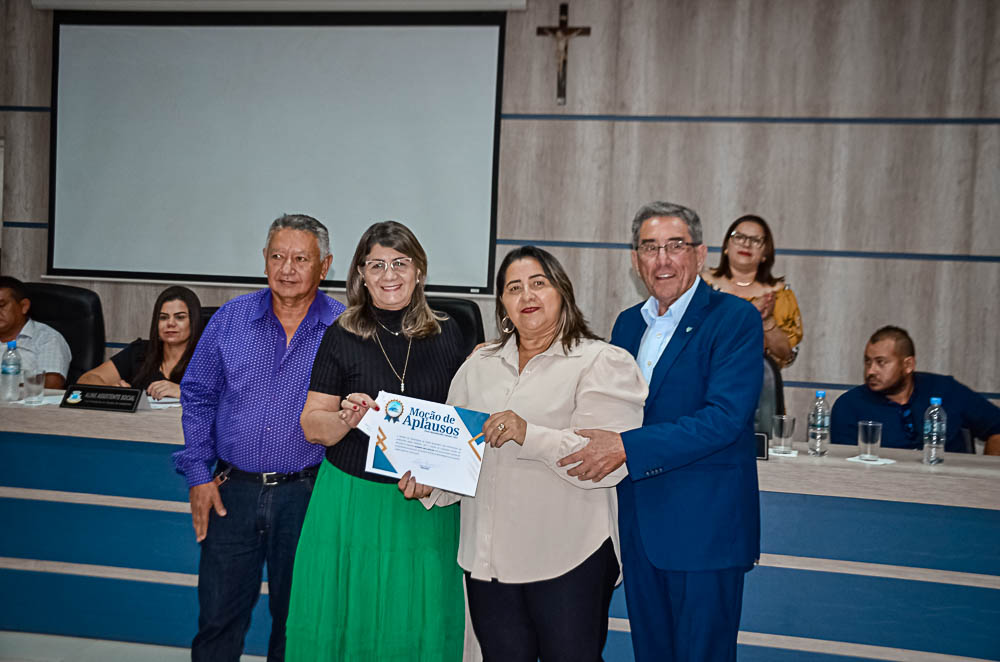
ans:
x=745 y=270
x=375 y=576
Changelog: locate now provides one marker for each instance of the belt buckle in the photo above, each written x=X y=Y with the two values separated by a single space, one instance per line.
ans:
x=270 y=478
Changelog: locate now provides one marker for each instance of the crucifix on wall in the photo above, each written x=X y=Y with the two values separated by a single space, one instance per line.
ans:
x=562 y=33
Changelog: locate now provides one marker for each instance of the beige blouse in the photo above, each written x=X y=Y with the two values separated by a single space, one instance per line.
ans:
x=529 y=520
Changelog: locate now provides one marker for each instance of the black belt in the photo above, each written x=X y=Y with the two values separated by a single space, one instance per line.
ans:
x=226 y=471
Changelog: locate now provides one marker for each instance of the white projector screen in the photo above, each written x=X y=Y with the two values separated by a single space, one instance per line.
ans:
x=175 y=145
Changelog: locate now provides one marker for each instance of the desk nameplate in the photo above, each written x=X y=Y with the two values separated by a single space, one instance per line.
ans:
x=104 y=398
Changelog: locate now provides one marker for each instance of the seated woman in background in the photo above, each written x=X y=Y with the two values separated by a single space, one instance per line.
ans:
x=157 y=365
x=745 y=270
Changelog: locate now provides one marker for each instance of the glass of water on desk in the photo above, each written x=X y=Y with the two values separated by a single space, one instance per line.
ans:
x=34 y=378
x=782 y=429
x=869 y=440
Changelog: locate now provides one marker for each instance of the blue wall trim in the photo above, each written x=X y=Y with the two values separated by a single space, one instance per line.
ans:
x=26 y=224
x=752 y=119
x=99 y=535
x=112 y=609
x=886 y=532
x=801 y=252
x=26 y=109
x=878 y=611
x=91 y=466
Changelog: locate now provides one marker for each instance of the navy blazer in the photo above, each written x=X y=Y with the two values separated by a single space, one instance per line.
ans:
x=692 y=485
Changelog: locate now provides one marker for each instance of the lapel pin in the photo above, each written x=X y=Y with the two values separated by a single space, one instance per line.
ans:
x=689 y=329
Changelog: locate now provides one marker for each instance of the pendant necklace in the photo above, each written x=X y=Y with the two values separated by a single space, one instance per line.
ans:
x=736 y=282
x=388 y=330
x=401 y=378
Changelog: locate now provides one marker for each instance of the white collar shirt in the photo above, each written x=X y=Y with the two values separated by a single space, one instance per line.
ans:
x=660 y=328
x=530 y=520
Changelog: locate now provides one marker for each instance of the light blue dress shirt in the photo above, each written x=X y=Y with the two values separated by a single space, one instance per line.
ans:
x=660 y=329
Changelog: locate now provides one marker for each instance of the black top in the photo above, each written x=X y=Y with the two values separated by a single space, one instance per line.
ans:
x=129 y=362
x=346 y=363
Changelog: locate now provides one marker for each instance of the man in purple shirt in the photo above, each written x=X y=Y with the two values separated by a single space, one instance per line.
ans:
x=242 y=395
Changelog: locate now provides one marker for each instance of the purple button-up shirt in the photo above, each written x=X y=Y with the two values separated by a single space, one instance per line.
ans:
x=245 y=387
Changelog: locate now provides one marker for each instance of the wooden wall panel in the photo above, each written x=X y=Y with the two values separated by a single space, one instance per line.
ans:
x=23 y=252
x=26 y=49
x=942 y=305
x=821 y=186
x=826 y=58
x=556 y=180
x=889 y=187
x=26 y=166
x=530 y=60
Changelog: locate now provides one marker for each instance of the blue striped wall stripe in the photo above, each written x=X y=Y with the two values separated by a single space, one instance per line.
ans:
x=800 y=252
x=97 y=535
x=113 y=609
x=25 y=109
x=745 y=653
x=885 y=532
x=91 y=466
x=116 y=345
x=843 y=605
x=906 y=613
x=793 y=524
x=873 y=610
x=26 y=224
x=752 y=119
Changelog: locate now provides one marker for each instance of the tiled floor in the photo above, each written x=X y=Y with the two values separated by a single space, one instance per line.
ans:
x=25 y=647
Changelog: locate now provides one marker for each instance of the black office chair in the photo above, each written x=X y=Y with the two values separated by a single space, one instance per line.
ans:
x=77 y=314
x=206 y=314
x=468 y=316
x=772 y=398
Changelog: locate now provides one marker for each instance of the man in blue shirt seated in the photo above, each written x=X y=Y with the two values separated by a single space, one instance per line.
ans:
x=897 y=396
x=247 y=463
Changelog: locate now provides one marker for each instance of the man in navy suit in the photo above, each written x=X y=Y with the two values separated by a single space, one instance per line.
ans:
x=689 y=512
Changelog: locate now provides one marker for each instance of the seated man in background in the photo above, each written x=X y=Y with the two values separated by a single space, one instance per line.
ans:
x=897 y=396
x=39 y=344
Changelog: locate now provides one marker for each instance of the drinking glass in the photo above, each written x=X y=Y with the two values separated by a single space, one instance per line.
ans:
x=869 y=440
x=782 y=428
x=34 y=387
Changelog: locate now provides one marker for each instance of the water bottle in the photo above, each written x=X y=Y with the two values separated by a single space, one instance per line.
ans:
x=819 y=425
x=935 y=432
x=10 y=374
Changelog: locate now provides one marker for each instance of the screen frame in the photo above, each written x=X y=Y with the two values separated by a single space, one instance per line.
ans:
x=496 y=19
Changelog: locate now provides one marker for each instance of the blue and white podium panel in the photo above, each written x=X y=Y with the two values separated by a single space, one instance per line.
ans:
x=98 y=543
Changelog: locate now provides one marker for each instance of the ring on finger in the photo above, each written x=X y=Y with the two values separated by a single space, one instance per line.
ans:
x=501 y=427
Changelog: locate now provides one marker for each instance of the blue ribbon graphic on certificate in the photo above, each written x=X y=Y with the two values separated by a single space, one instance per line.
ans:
x=440 y=445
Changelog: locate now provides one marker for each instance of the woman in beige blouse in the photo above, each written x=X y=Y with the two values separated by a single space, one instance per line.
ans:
x=540 y=548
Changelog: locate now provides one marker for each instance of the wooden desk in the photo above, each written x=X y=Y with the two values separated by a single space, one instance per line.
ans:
x=896 y=562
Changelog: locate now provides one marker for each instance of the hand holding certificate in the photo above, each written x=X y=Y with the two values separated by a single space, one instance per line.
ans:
x=440 y=445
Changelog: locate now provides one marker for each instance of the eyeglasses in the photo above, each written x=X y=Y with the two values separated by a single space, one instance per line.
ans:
x=746 y=239
x=672 y=247
x=401 y=266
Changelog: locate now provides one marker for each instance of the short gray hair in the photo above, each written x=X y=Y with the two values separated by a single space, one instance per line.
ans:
x=305 y=224
x=666 y=210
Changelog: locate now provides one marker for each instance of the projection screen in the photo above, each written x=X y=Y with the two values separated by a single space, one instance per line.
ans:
x=177 y=140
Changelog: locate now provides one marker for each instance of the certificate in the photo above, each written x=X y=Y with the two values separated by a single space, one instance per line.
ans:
x=440 y=445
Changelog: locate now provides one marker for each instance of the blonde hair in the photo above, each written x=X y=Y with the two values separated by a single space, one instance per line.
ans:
x=419 y=321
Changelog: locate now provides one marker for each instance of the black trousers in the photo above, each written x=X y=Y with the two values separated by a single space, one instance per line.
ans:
x=565 y=618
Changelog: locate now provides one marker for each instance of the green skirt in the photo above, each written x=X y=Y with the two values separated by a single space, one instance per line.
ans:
x=376 y=577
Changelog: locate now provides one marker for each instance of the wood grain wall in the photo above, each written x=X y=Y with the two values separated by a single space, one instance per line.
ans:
x=865 y=131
